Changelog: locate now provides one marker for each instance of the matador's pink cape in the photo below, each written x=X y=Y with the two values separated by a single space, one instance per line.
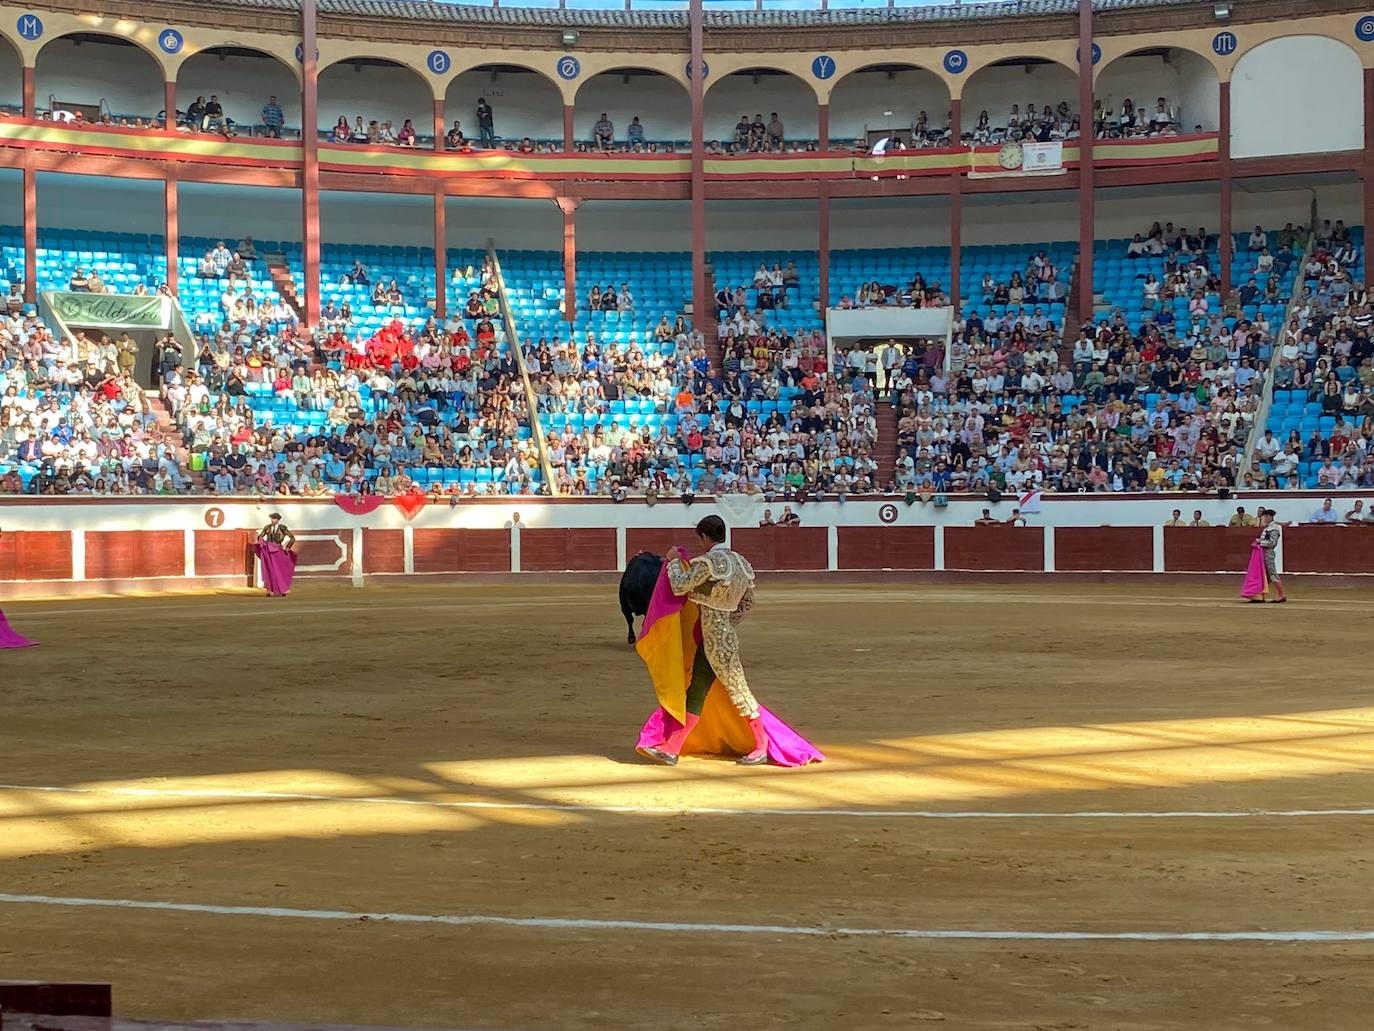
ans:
x=668 y=644
x=1256 y=583
x=278 y=566
x=9 y=638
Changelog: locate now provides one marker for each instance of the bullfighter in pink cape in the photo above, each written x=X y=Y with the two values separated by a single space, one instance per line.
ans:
x=273 y=549
x=9 y=638
x=1263 y=572
x=689 y=644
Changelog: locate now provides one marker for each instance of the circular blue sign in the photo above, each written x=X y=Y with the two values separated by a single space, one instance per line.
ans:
x=170 y=41
x=823 y=67
x=1224 y=44
x=438 y=62
x=1097 y=54
x=569 y=67
x=30 y=26
x=1364 y=28
x=705 y=70
x=956 y=62
x=300 y=53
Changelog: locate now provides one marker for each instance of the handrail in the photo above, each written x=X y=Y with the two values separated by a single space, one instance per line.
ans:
x=513 y=338
x=1267 y=392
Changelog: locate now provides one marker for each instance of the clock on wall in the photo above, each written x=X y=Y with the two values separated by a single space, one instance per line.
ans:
x=1010 y=156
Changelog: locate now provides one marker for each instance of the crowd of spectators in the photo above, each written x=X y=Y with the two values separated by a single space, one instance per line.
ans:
x=655 y=419
x=383 y=133
x=1044 y=123
x=267 y=405
x=1325 y=357
x=76 y=414
x=1163 y=408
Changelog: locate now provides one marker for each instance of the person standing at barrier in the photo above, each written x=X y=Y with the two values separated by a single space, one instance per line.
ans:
x=1263 y=572
x=274 y=549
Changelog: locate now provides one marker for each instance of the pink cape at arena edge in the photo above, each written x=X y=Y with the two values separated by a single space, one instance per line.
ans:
x=9 y=638
x=278 y=566
x=1256 y=583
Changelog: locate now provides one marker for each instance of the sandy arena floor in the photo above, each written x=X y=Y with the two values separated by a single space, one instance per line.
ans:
x=1010 y=767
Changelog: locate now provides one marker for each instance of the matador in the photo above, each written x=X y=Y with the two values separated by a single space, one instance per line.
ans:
x=721 y=583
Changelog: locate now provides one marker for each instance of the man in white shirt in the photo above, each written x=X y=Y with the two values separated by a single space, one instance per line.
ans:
x=1267 y=447
x=1258 y=240
x=1325 y=514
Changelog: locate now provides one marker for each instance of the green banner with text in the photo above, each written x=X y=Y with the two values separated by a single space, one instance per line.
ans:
x=109 y=311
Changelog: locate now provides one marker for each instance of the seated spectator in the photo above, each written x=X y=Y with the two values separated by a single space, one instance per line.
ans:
x=212 y=118
x=1326 y=513
x=358 y=274
x=195 y=114
x=634 y=133
x=454 y=138
x=603 y=133
x=406 y=137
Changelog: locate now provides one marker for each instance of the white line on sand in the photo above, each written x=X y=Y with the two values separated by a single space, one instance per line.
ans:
x=649 y=810
x=573 y=924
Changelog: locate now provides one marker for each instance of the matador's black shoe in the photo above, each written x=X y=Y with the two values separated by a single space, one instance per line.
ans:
x=658 y=756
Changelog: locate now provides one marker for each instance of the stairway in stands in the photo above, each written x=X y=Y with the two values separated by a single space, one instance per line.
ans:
x=281 y=279
x=1071 y=313
x=168 y=431
x=885 y=447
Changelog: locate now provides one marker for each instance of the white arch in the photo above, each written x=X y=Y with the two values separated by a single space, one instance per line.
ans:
x=1269 y=115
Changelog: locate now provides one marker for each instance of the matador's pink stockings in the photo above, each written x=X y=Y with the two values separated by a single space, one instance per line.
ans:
x=674 y=744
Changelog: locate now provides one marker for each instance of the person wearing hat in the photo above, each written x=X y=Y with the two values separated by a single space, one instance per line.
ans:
x=1270 y=535
x=276 y=559
x=276 y=532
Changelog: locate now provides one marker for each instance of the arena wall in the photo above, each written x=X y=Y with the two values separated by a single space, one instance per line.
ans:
x=75 y=546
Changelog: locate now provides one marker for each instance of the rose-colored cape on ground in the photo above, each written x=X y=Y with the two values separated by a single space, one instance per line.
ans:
x=1255 y=581
x=10 y=639
x=668 y=642
x=278 y=566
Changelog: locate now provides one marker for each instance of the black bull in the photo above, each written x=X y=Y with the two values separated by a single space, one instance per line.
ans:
x=637 y=587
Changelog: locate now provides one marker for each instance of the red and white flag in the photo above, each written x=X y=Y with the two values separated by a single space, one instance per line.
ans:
x=1030 y=502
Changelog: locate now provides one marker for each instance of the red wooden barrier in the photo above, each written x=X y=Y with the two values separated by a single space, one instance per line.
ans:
x=551 y=550
x=223 y=552
x=126 y=554
x=1114 y=548
x=1328 y=549
x=659 y=539
x=886 y=547
x=384 y=551
x=462 y=551
x=995 y=547
x=782 y=547
x=1207 y=549
x=36 y=555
